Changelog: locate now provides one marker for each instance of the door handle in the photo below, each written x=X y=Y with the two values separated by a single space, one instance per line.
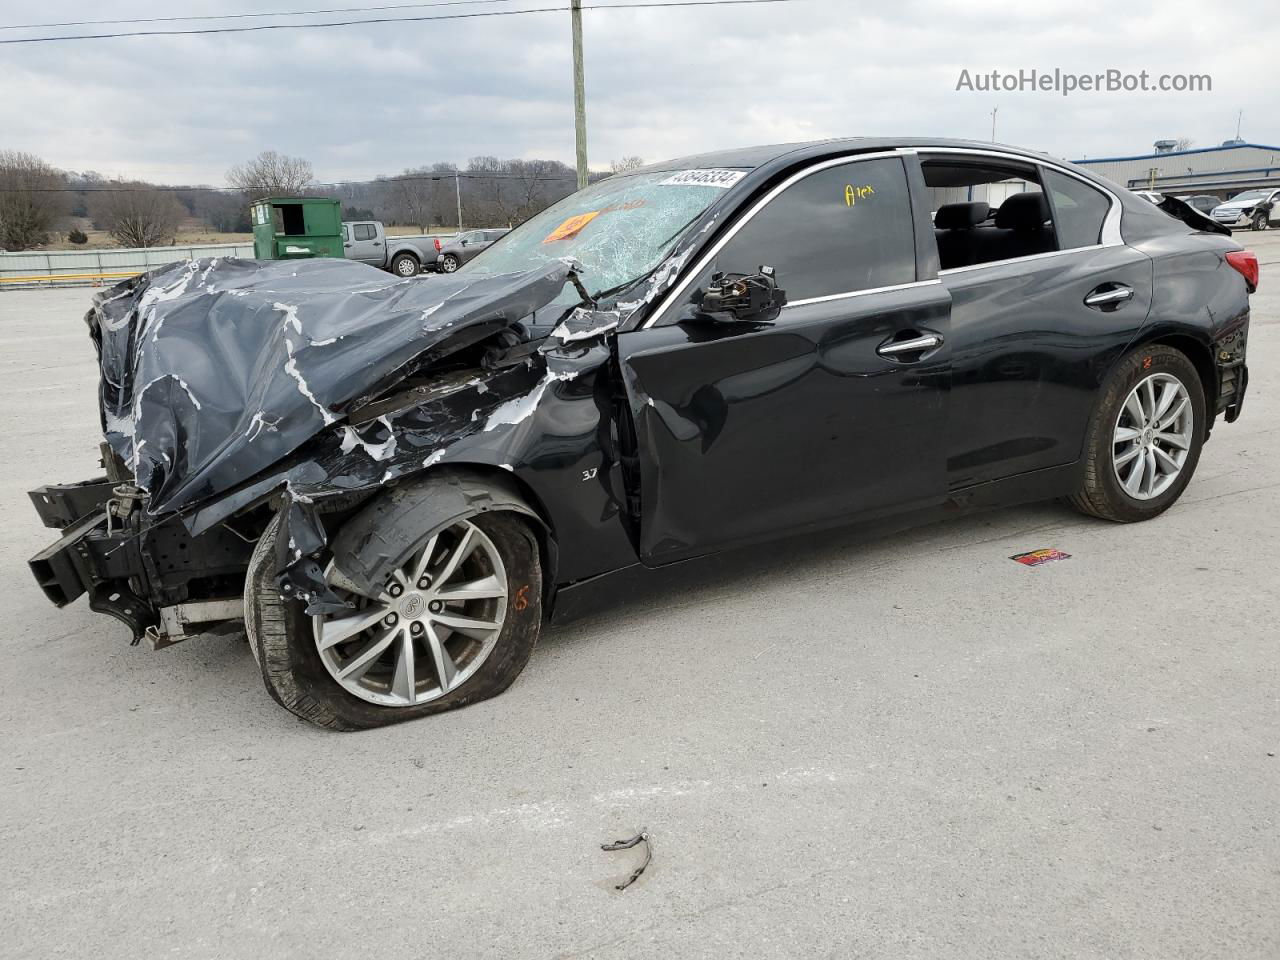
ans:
x=1109 y=295
x=896 y=348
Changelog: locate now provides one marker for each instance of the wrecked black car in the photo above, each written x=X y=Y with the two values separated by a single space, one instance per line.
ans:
x=394 y=483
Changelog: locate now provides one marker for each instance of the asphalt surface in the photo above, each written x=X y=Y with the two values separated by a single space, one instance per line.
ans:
x=912 y=748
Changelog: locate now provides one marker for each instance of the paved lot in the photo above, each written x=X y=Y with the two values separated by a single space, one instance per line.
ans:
x=912 y=748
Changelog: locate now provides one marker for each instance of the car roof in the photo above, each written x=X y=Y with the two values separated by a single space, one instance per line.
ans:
x=752 y=157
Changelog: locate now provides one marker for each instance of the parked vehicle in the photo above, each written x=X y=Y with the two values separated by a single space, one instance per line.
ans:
x=396 y=485
x=1204 y=202
x=1256 y=209
x=465 y=247
x=367 y=242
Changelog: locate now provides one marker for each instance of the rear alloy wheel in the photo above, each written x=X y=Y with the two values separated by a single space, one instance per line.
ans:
x=1144 y=437
x=449 y=264
x=454 y=624
x=404 y=265
x=1152 y=436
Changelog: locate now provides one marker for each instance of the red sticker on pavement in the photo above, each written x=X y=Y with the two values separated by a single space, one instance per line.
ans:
x=1037 y=557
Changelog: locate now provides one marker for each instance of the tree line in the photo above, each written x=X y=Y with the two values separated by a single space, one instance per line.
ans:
x=39 y=203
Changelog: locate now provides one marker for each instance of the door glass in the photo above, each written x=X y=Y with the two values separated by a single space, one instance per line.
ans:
x=839 y=230
x=364 y=231
x=1078 y=209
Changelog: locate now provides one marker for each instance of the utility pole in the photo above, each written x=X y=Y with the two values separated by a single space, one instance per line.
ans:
x=457 y=184
x=993 y=124
x=579 y=92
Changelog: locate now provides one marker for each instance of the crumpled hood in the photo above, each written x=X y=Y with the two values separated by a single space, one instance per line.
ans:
x=213 y=370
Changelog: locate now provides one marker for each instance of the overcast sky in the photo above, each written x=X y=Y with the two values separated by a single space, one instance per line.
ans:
x=375 y=99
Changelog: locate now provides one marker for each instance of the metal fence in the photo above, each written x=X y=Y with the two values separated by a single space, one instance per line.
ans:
x=100 y=267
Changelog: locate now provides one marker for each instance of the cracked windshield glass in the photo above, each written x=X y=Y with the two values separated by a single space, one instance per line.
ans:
x=619 y=229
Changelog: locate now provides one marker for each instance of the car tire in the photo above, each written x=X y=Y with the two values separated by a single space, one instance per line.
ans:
x=302 y=680
x=1260 y=221
x=1119 y=442
x=449 y=263
x=404 y=265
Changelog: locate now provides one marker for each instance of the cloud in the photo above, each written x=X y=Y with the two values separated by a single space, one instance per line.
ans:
x=361 y=101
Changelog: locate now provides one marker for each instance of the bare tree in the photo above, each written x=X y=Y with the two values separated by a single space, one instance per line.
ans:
x=138 y=214
x=271 y=174
x=31 y=199
x=533 y=184
x=411 y=197
x=627 y=164
x=1182 y=143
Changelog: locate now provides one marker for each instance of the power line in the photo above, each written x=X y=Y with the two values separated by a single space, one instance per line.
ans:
x=383 y=181
x=375 y=20
x=242 y=16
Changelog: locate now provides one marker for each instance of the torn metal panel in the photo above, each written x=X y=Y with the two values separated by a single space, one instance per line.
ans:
x=213 y=370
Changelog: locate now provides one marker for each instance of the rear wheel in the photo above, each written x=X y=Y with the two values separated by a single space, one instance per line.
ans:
x=455 y=623
x=449 y=263
x=1144 y=437
x=404 y=265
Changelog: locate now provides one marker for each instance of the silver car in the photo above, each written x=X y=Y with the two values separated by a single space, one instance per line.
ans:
x=464 y=246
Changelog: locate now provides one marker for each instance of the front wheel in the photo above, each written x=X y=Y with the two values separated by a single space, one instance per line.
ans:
x=454 y=624
x=1260 y=221
x=1144 y=437
x=450 y=263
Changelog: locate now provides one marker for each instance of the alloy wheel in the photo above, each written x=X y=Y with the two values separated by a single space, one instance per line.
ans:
x=449 y=265
x=1152 y=436
x=428 y=630
x=406 y=267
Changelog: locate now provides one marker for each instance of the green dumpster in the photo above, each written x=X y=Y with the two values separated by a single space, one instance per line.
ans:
x=291 y=228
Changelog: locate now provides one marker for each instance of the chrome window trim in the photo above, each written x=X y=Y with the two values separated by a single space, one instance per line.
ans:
x=860 y=293
x=706 y=258
x=1110 y=236
x=1031 y=256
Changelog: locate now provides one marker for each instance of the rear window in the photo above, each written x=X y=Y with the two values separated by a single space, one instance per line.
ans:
x=364 y=231
x=1079 y=210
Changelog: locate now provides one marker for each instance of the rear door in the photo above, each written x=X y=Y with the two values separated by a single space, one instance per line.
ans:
x=1033 y=336
x=747 y=433
x=366 y=244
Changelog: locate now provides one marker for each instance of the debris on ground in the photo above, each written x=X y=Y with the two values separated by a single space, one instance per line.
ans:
x=1037 y=557
x=641 y=837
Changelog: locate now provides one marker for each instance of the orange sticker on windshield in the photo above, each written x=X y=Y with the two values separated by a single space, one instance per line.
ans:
x=571 y=227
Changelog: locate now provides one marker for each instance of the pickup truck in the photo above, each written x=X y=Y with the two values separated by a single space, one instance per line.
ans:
x=367 y=241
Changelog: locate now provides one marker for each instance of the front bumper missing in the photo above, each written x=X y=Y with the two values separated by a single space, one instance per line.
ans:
x=90 y=557
x=104 y=556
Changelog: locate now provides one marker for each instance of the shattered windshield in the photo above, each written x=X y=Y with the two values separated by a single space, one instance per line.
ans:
x=619 y=229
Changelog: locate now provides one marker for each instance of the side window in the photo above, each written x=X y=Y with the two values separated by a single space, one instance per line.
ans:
x=840 y=230
x=1078 y=209
x=364 y=231
x=346 y=234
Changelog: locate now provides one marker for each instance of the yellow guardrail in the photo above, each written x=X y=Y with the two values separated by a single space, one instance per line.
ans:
x=71 y=276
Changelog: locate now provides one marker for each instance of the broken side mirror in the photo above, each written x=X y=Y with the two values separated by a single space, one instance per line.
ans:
x=740 y=298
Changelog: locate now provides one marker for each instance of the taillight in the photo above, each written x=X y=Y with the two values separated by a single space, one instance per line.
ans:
x=1246 y=262
x=437 y=240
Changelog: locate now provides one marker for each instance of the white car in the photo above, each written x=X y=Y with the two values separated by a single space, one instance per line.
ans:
x=1258 y=209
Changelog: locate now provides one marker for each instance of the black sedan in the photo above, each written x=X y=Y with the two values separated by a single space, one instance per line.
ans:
x=396 y=485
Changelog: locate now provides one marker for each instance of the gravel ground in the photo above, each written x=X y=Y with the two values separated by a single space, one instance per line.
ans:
x=908 y=748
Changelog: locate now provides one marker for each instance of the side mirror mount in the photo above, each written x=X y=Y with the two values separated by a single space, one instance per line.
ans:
x=751 y=298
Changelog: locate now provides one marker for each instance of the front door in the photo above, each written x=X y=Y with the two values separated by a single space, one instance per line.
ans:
x=820 y=417
x=366 y=245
